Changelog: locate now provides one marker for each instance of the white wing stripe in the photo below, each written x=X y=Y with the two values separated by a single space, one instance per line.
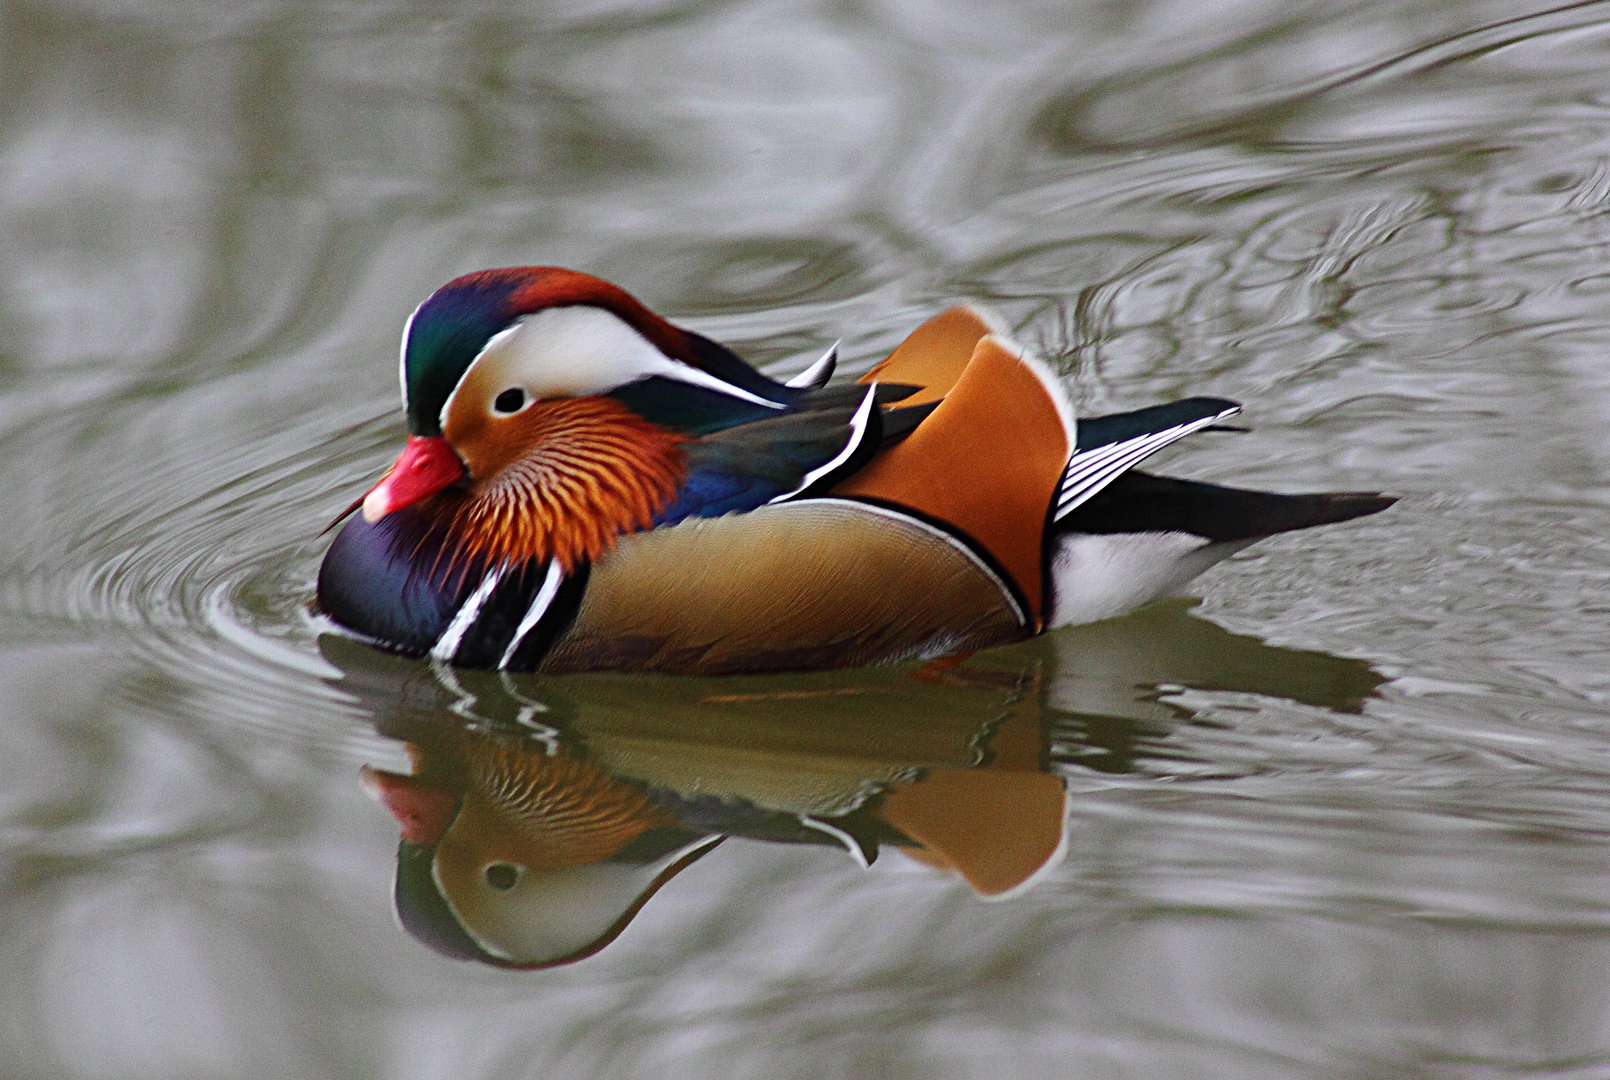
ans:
x=1115 y=468
x=1089 y=472
x=858 y=432
x=533 y=614
x=448 y=643
x=819 y=371
x=850 y=843
x=1083 y=465
x=1101 y=461
x=1099 y=471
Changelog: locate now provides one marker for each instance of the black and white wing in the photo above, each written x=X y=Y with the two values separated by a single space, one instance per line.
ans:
x=1107 y=446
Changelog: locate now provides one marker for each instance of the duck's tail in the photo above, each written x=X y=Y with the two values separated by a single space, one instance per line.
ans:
x=1143 y=538
x=1052 y=502
x=1138 y=502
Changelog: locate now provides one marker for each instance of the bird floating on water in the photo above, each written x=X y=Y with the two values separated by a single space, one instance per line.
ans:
x=587 y=487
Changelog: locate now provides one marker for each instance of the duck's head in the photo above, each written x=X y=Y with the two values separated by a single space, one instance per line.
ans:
x=527 y=861
x=548 y=409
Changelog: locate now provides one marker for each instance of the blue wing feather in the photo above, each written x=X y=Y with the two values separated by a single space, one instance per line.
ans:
x=752 y=464
x=713 y=492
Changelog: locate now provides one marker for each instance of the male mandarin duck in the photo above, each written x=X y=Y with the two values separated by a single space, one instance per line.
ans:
x=587 y=487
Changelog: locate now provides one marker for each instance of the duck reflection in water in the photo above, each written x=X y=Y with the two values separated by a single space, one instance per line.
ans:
x=542 y=814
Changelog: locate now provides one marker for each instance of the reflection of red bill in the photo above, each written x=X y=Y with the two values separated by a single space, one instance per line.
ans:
x=425 y=466
x=423 y=810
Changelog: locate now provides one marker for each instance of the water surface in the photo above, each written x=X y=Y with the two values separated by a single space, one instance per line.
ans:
x=1345 y=818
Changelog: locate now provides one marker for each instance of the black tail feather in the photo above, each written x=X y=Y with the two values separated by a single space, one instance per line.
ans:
x=1139 y=502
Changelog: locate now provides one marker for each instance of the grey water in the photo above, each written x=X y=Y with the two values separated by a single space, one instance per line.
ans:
x=1348 y=817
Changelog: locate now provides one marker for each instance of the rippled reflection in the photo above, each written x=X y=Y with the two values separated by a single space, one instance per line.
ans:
x=540 y=815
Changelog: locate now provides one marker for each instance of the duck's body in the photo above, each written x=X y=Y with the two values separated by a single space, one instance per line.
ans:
x=587 y=487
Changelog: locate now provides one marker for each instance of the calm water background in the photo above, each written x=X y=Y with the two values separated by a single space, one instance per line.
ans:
x=1383 y=224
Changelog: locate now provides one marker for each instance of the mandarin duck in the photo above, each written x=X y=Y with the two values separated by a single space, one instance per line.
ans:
x=586 y=486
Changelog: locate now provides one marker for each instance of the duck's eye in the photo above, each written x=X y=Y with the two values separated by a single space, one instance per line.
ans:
x=509 y=402
x=502 y=876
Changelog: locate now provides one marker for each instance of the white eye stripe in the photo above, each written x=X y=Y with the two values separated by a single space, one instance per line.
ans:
x=581 y=351
x=697 y=377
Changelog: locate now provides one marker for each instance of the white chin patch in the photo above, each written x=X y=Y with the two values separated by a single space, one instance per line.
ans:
x=581 y=351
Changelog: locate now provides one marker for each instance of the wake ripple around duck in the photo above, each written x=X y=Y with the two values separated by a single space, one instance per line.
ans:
x=192 y=572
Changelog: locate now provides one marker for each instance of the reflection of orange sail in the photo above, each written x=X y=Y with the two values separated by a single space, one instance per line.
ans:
x=997 y=826
x=995 y=829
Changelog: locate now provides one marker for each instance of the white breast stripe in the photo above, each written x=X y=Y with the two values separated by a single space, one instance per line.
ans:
x=533 y=614
x=447 y=644
x=858 y=430
x=1089 y=472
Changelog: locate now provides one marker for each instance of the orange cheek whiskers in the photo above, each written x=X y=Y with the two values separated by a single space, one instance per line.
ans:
x=585 y=471
x=568 y=812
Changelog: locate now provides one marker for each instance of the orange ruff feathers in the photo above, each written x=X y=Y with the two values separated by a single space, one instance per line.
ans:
x=565 y=812
x=594 y=469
